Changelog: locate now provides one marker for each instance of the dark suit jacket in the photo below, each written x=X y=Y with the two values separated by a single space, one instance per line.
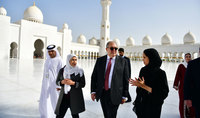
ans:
x=192 y=82
x=76 y=95
x=119 y=83
x=129 y=65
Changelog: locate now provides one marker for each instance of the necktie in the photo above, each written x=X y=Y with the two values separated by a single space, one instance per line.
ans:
x=107 y=74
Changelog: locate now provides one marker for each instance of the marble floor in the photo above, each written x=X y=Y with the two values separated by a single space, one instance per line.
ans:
x=20 y=85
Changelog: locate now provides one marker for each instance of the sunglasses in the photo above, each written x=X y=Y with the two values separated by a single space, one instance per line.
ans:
x=112 y=48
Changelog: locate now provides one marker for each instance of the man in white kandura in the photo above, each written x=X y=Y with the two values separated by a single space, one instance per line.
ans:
x=50 y=91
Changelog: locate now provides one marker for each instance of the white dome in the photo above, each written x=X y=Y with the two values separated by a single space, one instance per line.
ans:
x=147 y=40
x=166 y=39
x=65 y=26
x=3 y=11
x=116 y=40
x=130 y=41
x=93 y=41
x=81 y=39
x=33 y=13
x=189 y=38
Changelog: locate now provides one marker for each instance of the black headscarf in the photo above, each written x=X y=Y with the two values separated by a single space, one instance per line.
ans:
x=154 y=58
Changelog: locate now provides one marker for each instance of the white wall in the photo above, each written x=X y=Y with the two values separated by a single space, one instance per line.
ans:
x=4 y=36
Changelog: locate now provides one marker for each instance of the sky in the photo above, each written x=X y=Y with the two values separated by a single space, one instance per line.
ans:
x=136 y=18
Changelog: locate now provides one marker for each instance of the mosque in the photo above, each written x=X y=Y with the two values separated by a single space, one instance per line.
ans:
x=28 y=37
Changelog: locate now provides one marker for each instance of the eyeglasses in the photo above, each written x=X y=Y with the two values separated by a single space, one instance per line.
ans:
x=112 y=48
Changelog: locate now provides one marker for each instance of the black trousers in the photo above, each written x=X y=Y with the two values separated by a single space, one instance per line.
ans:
x=65 y=104
x=109 y=109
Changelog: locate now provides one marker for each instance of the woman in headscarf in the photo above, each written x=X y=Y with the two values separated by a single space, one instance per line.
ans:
x=71 y=79
x=152 y=86
x=178 y=85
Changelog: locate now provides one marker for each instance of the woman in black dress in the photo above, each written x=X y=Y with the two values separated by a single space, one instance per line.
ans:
x=152 y=86
x=71 y=79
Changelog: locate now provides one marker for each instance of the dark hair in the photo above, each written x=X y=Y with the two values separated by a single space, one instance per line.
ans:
x=121 y=49
x=187 y=54
x=154 y=57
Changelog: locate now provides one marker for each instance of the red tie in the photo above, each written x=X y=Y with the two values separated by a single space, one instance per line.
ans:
x=107 y=74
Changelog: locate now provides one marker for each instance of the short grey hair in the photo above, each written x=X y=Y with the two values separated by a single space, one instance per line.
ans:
x=109 y=43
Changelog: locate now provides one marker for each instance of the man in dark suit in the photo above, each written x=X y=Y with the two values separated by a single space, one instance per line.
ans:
x=109 y=81
x=121 y=53
x=192 y=86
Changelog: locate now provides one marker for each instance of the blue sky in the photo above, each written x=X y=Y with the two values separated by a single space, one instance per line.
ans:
x=135 y=18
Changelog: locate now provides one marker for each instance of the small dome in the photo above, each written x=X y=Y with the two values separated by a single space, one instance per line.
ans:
x=81 y=39
x=116 y=40
x=166 y=39
x=34 y=14
x=65 y=26
x=189 y=38
x=93 y=41
x=3 y=11
x=147 y=40
x=130 y=41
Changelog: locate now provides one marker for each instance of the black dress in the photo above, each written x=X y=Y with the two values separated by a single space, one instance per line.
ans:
x=149 y=105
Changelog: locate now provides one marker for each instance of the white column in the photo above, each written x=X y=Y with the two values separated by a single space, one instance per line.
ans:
x=66 y=42
x=105 y=26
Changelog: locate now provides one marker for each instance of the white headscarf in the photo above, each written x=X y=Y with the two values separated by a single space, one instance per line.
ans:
x=68 y=70
x=185 y=63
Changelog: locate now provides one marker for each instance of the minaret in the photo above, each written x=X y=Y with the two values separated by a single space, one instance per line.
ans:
x=105 y=26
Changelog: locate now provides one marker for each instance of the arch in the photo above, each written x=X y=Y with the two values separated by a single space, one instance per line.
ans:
x=75 y=52
x=180 y=56
x=86 y=55
x=82 y=55
x=130 y=55
x=92 y=55
x=95 y=56
x=134 y=55
x=13 y=50
x=174 y=57
x=38 y=53
x=79 y=54
x=89 y=55
x=162 y=56
x=71 y=51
